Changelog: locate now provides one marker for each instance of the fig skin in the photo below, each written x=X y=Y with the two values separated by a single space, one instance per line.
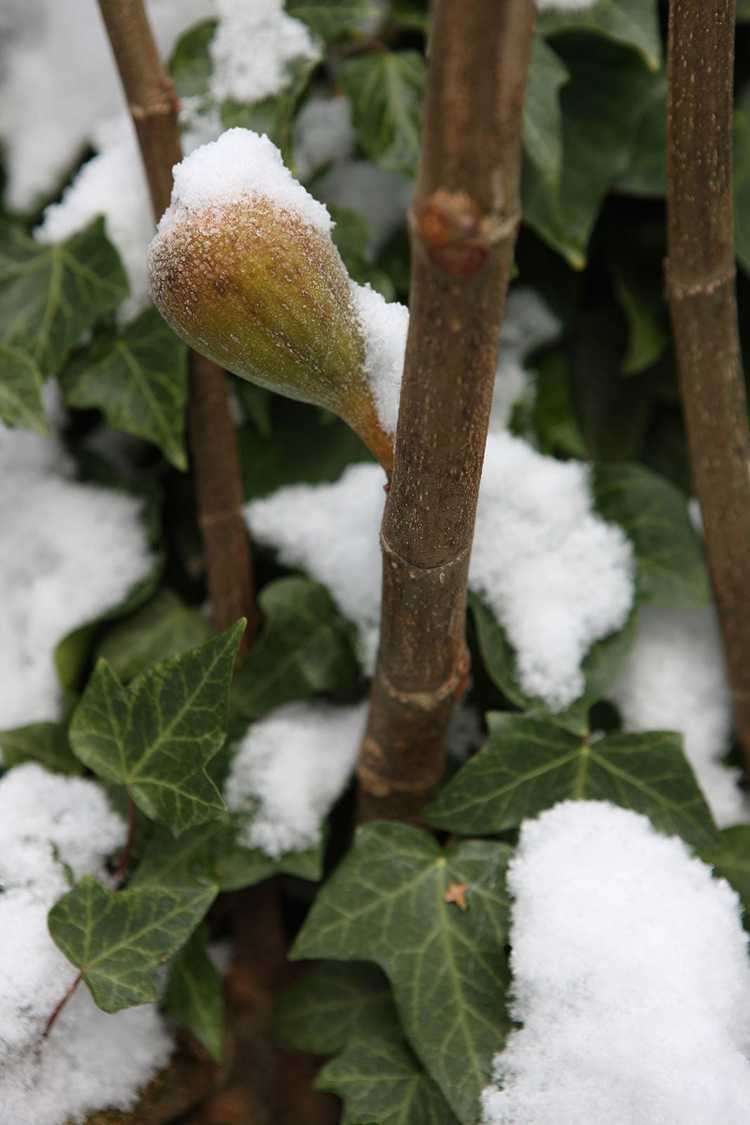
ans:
x=266 y=295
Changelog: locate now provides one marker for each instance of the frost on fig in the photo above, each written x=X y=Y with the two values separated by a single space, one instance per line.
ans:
x=244 y=269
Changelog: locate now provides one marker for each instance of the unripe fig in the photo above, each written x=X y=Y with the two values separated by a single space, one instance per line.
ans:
x=244 y=269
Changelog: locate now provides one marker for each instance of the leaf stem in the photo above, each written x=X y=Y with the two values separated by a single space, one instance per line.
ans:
x=61 y=1004
x=464 y=220
x=123 y=861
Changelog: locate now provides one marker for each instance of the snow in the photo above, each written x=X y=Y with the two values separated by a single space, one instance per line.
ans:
x=289 y=770
x=674 y=678
x=556 y=575
x=68 y=553
x=384 y=327
x=55 y=58
x=564 y=5
x=90 y=1060
x=630 y=977
x=323 y=133
x=527 y=325
x=240 y=165
x=112 y=184
x=253 y=48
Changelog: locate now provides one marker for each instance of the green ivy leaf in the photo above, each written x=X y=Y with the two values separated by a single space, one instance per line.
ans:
x=190 y=66
x=633 y=23
x=163 y=628
x=601 y=107
x=731 y=860
x=386 y=90
x=542 y=118
x=387 y=903
x=45 y=743
x=330 y=19
x=528 y=765
x=304 y=649
x=648 y=333
x=333 y=1004
x=600 y=666
x=211 y=855
x=351 y=235
x=157 y=735
x=51 y=295
x=553 y=418
x=119 y=939
x=21 y=402
x=195 y=994
x=138 y=379
x=379 y=1079
x=646 y=173
x=670 y=569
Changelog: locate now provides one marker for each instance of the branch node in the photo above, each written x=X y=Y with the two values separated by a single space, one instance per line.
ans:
x=454 y=233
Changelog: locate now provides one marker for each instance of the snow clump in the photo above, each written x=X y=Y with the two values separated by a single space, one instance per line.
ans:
x=289 y=770
x=253 y=48
x=90 y=1060
x=630 y=977
x=384 y=325
x=323 y=134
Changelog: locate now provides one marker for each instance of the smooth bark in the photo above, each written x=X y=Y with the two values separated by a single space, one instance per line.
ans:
x=701 y=284
x=218 y=484
x=464 y=221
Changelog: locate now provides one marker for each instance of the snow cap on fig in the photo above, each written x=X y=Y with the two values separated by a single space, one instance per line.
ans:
x=244 y=269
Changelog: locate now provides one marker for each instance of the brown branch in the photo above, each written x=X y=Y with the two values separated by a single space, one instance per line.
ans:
x=701 y=284
x=464 y=221
x=153 y=108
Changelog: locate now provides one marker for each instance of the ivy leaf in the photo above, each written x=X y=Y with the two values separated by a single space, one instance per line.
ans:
x=528 y=765
x=387 y=903
x=163 y=628
x=646 y=173
x=195 y=994
x=601 y=108
x=600 y=666
x=333 y=1004
x=379 y=1079
x=21 y=402
x=351 y=236
x=330 y=19
x=210 y=854
x=119 y=940
x=51 y=295
x=542 y=118
x=633 y=23
x=386 y=90
x=46 y=743
x=552 y=415
x=157 y=735
x=190 y=66
x=138 y=379
x=648 y=334
x=304 y=648
x=670 y=569
x=731 y=860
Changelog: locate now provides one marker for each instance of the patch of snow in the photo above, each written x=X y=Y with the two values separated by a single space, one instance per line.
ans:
x=289 y=770
x=674 y=678
x=382 y=197
x=239 y=165
x=253 y=48
x=557 y=576
x=68 y=553
x=323 y=134
x=90 y=1060
x=630 y=977
x=112 y=184
x=384 y=326
x=58 y=83
x=564 y=5
x=527 y=325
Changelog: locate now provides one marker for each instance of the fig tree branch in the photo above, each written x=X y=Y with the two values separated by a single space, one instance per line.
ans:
x=218 y=484
x=701 y=284
x=464 y=220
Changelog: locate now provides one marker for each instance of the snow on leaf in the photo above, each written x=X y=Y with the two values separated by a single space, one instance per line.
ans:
x=157 y=735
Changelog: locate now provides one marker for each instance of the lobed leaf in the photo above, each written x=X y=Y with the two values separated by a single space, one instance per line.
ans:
x=119 y=939
x=157 y=735
x=386 y=90
x=542 y=117
x=387 y=903
x=163 y=628
x=45 y=743
x=195 y=994
x=333 y=1004
x=21 y=402
x=528 y=765
x=633 y=23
